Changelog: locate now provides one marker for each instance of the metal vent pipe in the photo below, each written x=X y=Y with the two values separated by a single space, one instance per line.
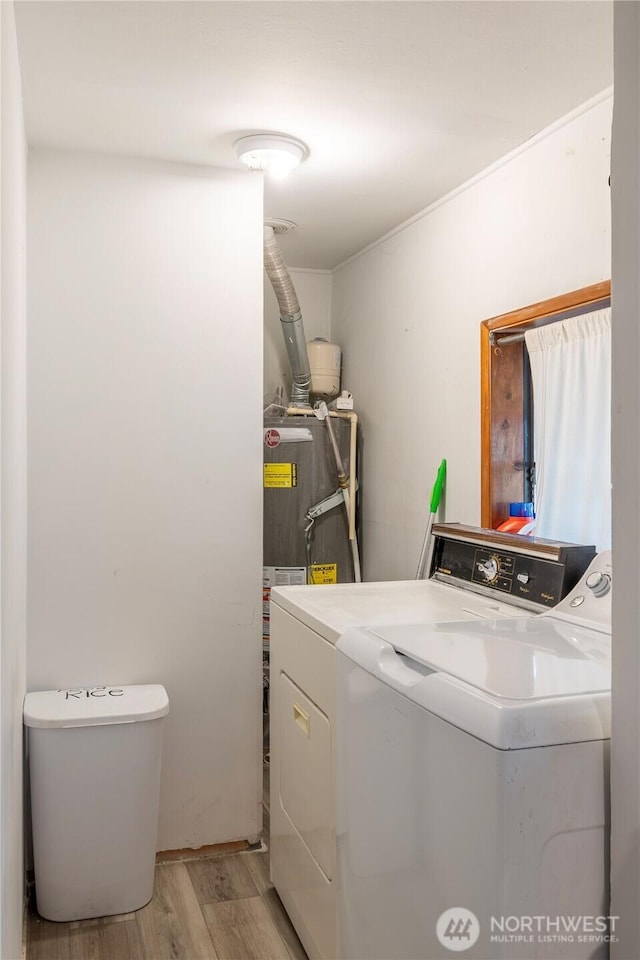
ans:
x=291 y=318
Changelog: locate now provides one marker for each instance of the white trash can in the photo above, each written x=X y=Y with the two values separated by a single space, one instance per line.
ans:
x=94 y=761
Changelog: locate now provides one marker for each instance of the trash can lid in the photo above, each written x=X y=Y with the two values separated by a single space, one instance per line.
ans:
x=89 y=706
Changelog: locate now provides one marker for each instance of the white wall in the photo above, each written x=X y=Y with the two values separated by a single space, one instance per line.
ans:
x=407 y=312
x=625 y=449
x=145 y=488
x=314 y=295
x=12 y=488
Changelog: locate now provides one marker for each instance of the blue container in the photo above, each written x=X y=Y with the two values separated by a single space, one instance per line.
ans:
x=519 y=509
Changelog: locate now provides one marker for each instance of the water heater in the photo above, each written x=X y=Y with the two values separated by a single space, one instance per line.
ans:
x=300 y=475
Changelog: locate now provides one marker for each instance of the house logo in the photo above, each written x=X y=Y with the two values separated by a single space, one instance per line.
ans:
x=457 y=929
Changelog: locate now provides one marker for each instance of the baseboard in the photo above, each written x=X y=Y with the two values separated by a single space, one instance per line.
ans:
x=209 y=850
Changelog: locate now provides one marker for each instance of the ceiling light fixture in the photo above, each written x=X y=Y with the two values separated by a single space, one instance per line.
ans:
x=271 y=153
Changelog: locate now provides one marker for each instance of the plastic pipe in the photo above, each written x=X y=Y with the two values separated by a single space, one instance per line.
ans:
x=352 y=416
x=350 y=495
x=349 y=503
x=355 y=552
x=342 y=477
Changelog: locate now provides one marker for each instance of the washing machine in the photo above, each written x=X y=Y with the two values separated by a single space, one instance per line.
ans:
x=472 y=785
x=475 y=575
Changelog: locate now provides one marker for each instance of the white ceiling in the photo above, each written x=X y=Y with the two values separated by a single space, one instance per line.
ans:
x=399 y=102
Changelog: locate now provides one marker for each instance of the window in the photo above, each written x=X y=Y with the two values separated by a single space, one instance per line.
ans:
x=506 y=400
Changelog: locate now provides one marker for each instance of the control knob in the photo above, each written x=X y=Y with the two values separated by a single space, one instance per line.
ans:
x=489 y=569
x=599 y=583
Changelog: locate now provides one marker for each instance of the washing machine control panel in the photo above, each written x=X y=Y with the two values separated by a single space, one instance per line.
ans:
x=528 y=572
x=589 y=603
x=599 y=583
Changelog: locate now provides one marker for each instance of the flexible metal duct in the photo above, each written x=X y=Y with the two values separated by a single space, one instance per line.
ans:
x=291 y=318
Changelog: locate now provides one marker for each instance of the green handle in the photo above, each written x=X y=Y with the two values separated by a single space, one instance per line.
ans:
x=436 y=493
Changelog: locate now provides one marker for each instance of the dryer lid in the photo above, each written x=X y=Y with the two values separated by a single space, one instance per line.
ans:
x=330 y=609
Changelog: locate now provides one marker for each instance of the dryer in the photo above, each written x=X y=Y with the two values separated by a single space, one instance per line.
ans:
x=475 y=575
x=472 y=785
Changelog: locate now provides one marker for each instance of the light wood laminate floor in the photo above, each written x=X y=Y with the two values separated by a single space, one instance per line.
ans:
x=216 y=907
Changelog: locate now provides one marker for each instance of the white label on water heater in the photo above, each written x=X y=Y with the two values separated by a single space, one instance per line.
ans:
x=277 y=577
x=273 y=436
x=283 y=576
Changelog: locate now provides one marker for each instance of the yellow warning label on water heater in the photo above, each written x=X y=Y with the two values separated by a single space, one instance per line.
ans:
x=281 y=475
x=323 y=573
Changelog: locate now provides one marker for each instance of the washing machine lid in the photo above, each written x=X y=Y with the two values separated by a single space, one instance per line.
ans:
x=330 y=609
x=513 y=683
x=91 y=706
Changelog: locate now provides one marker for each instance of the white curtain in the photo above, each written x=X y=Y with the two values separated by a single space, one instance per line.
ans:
x=571 y=372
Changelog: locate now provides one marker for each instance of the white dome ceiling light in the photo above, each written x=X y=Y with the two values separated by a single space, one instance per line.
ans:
x=271 y=153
